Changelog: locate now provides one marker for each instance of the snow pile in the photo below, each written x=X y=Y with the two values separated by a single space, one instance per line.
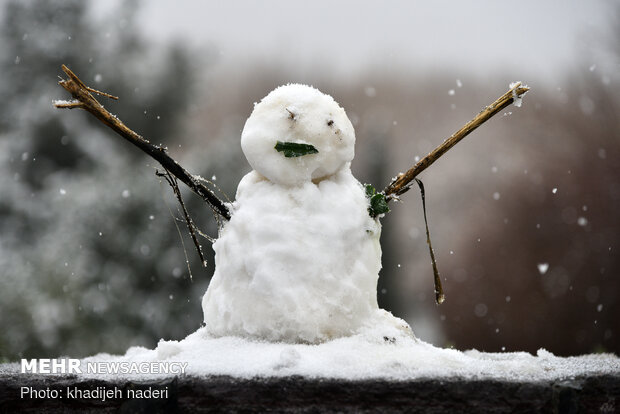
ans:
x=299 y=260
x=370 y=354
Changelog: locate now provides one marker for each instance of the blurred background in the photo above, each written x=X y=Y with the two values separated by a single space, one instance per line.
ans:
x=524 y=214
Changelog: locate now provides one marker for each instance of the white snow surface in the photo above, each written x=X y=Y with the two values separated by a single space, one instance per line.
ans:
x=300 y=114
x=297 y=264
x=373 y=353
x=299 y=260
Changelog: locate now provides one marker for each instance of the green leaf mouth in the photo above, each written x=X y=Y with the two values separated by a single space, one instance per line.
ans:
x=294 y=149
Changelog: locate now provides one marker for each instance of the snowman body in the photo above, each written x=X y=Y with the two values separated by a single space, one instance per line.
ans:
x=300 y=257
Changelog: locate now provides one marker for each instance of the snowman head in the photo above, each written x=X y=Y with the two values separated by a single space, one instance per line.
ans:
x=297 y=134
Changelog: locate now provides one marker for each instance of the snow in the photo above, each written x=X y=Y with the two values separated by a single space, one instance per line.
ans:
x=542 y=268
x=370 y=91
x=299 y=260
x=517 y=99
x=480 y=310
x=366 y=355
x=300 y=114
x=586 y=104
x=296 y=264
x=64 y=102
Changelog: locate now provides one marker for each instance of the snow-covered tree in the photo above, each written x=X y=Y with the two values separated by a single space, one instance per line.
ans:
x=84 y=280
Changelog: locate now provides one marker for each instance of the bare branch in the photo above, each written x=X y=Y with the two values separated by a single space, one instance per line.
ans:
x=172 y=181
x=107 y=95
x=403 y=182
x=83 y=99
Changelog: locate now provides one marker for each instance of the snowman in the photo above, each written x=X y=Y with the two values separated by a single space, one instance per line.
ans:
x=299 y=259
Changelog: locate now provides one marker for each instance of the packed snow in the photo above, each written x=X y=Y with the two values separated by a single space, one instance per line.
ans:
x=299 y=259
x=296 y=264
x=299 y=114
x=374 y=353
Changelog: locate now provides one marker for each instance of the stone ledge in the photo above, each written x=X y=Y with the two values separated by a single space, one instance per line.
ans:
x=296 y=394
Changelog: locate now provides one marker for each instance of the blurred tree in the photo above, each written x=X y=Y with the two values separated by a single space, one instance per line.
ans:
x=81 y=217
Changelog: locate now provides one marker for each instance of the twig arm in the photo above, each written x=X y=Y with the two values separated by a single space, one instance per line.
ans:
x=83 y=99
x=403 y=182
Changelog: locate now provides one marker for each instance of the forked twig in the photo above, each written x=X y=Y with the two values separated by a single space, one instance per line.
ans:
x=83 y=99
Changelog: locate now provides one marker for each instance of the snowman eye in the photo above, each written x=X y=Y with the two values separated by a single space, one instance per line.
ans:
x=330 y=122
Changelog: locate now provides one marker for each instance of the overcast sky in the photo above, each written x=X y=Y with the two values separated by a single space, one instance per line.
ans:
x=534 y=36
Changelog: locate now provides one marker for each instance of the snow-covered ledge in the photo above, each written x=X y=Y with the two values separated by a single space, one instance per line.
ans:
x=363 y=372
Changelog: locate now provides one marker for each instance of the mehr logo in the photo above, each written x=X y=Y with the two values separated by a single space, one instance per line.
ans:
x=51 y=366
x=76 y=366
